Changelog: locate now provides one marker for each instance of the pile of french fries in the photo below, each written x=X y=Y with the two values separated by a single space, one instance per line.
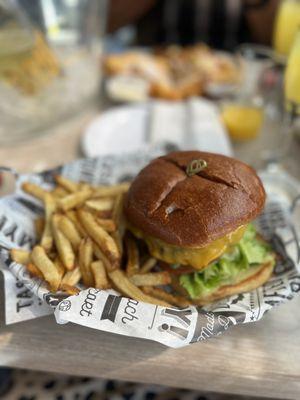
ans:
x=82 y=242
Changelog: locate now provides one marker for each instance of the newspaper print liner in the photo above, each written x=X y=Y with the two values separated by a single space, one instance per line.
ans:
x=107 y=310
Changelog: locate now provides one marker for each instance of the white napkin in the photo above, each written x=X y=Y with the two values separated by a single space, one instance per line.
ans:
x=194 y=124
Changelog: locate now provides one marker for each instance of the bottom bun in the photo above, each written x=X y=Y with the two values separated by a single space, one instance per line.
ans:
x=245 y=283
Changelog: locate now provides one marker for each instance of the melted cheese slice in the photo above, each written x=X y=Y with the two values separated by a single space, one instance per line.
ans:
x=197 y=257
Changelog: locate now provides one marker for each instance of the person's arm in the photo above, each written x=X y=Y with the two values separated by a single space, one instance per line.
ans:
x=260 y=16
x=124 y=12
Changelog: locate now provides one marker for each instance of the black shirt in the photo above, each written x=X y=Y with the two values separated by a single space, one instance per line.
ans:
x=219 y=23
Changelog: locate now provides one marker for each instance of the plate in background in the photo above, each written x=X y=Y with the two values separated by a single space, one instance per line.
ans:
x=194 y=124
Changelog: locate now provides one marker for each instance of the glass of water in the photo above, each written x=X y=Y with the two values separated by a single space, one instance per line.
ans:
x=49 y=62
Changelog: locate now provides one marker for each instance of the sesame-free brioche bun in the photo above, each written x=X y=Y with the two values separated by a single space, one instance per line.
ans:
x=165 y=203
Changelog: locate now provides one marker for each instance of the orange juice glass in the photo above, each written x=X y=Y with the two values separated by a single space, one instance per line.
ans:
x=243 y=122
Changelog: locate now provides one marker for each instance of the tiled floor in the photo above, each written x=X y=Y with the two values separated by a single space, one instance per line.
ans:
x=31 y=385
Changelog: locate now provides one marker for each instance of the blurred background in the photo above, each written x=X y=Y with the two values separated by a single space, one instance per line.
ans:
x=61 y=58
x=96 y=77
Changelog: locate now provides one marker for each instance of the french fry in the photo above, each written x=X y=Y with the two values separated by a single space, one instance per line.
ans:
x=34 y=271
x=107 y=214
x=65 y=183
x=39 y=224
x=72 y=277
x=59 y=192
x=50 y=206
x=119 y=242
x=59 y=266
x=100 y=236
x=70 y=231
x=127 y=288
x=63 y=245
x=85 y=260
x=20 y=256
x=73 y=217
x=132 y=266
x=99 y=255
x=34 y=190
x=71 y=290
x=73 y=200
x=178 y=301
x=151 y=279
x=100 y=277
x=46 y=266
x=117 y=216
x=107 y=224
x=84 y=186
x=106 y=191
x=102 y=204
x=148 y=265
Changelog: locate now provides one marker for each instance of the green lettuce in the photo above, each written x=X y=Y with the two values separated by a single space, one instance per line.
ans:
x=249 y=252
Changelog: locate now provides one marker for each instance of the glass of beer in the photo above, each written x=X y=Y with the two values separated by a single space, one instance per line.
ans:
x=286 y=25
x=292 y=79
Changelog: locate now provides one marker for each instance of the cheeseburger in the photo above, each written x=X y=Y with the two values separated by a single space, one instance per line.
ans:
x=194 y=211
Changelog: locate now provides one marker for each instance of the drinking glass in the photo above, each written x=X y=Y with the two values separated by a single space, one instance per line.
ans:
x=286 y=25
x=49 y=62
x=292 y=79
x=255 y=112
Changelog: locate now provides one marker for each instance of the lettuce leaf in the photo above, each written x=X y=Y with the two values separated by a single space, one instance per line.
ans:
x=247 y=253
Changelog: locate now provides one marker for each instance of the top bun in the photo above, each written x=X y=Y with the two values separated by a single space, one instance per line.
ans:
x=192 y=211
